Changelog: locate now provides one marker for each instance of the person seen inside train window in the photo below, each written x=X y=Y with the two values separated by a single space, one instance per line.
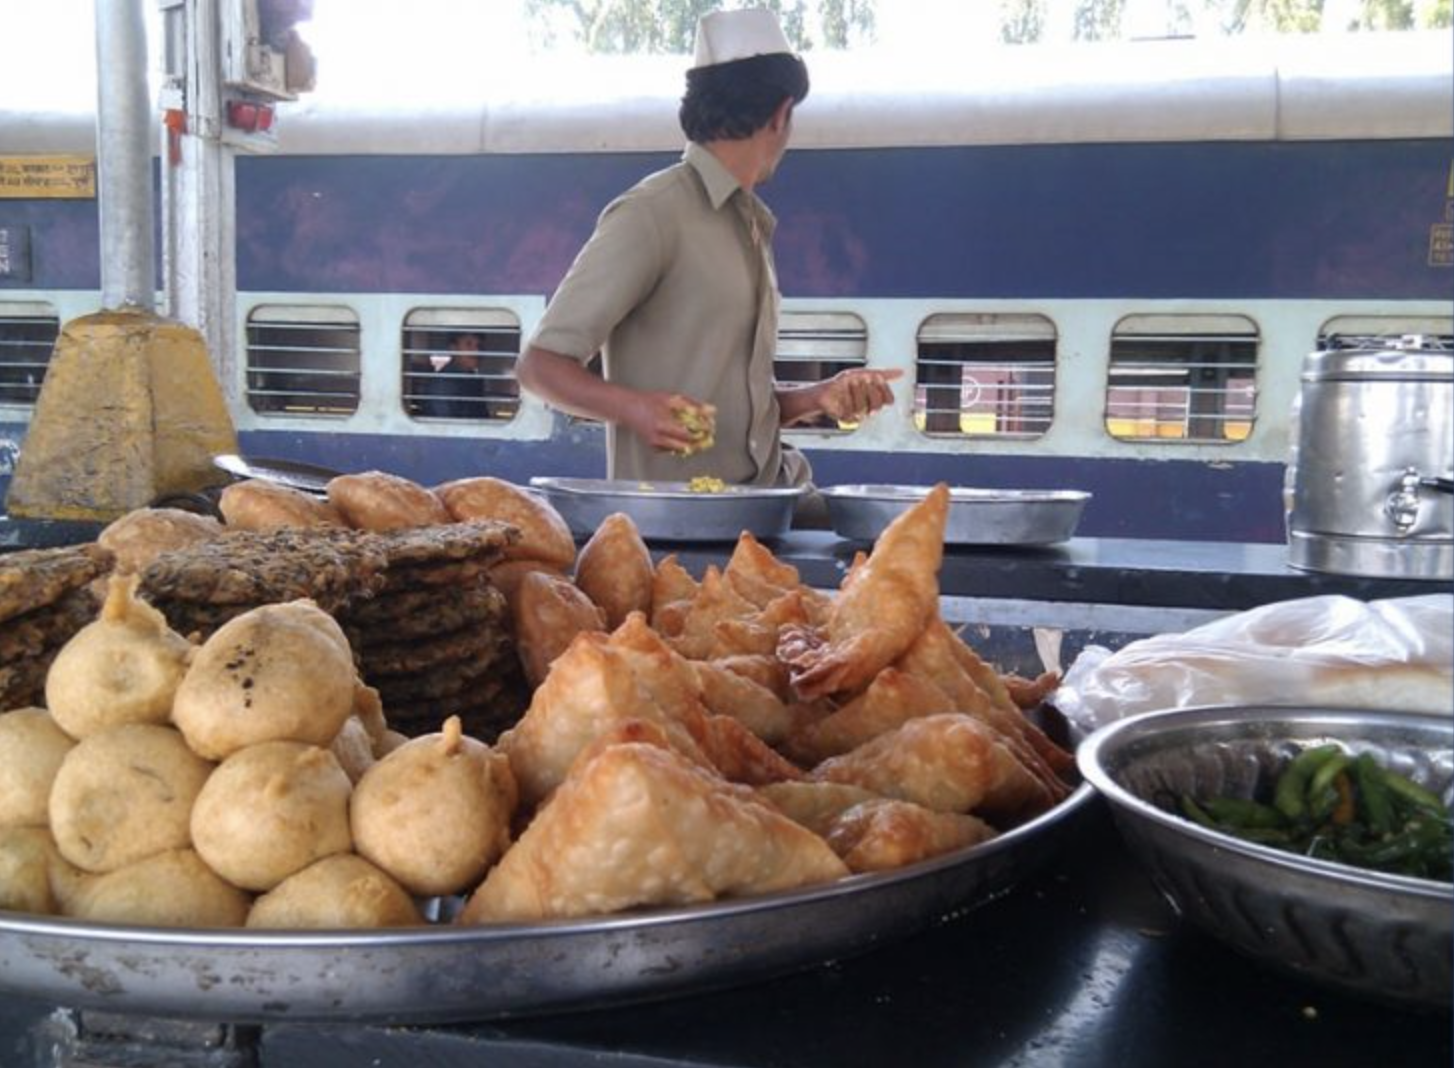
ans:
x=677 y=290
x=452 y=384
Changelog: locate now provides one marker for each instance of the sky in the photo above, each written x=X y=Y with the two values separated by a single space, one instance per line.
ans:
x=366 y=49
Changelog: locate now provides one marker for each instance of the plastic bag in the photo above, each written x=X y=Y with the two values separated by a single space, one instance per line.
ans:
x=1330 y=651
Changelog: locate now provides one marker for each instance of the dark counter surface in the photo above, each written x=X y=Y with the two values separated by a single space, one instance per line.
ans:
x=1186 y=574
x=1082 y=964
x=1229 y=576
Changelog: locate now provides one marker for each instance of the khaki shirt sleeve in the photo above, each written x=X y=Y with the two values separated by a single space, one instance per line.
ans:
x=613 y=273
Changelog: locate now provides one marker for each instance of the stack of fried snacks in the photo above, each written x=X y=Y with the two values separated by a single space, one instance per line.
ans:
x=44 y=601
x=434 y=639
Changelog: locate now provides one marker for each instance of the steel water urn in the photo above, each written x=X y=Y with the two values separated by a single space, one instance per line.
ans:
x=1371 y=471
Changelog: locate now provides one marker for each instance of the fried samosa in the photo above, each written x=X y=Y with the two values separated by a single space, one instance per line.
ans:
x=637 y=826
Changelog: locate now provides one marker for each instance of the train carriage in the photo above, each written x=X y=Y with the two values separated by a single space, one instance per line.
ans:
x=1101 y=275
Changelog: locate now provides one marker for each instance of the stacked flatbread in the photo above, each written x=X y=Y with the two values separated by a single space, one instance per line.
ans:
x=44 y=600
x=434 y=638
x=201 y=586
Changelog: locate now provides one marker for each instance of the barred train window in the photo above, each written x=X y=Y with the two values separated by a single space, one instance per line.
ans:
x=1187 y=378
x=28 y=333
x=985 y=375
x=1357 y=331
x=303 y=360
x=815 y=346
x=459 y=363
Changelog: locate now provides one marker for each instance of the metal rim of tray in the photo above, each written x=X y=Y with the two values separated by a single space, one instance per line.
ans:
x=291 y=473
x=986 y=517
x=672 y=511
x=456 y=973
x=875 y=492
x=650 y=490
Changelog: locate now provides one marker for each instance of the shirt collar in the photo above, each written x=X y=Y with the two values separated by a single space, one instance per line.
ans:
x=717 y=179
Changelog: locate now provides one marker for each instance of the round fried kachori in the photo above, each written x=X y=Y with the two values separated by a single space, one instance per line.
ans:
x=258 y=505
x=377 y=500
x=140 y=536
x=544 y=534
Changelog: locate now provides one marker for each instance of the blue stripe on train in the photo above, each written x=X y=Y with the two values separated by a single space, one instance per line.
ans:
x=1349 y=220
x=1248 y=220
x=1175 y=499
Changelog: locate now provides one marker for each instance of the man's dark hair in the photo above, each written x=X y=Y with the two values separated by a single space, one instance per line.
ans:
x=730 y=101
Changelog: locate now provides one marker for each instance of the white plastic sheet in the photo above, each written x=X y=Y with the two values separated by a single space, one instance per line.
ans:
x=1329 y=651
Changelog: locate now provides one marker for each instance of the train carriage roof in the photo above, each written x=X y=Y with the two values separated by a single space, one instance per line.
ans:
x=1311 y=87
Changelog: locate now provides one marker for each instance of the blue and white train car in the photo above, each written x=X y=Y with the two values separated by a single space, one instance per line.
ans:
x=1100 y=267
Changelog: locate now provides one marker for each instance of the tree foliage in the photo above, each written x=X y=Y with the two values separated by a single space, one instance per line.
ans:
x=669 y=26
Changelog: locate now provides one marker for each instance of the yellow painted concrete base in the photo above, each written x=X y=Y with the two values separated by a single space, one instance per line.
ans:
x=130 y=411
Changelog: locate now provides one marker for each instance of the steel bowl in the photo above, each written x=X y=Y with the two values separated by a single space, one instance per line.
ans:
x=672 y=511
x=1388 y=937
x=976 y=516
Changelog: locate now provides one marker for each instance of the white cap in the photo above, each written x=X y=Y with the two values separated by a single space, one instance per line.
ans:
x=724 y=36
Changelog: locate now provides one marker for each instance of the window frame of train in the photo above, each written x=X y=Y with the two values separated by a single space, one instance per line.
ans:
x=812 y=347
x=425 y=339
x=28 y=333
x=1184 y=379
x=985 y=375
x=1361 y=331
x=299 y=355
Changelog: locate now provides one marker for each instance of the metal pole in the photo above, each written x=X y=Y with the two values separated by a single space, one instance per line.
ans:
x=123 y=137
x=198 y=217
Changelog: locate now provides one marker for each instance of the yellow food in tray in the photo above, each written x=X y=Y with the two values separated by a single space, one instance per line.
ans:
x=707 y=484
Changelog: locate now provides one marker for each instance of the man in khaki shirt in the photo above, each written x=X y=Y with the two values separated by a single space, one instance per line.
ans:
x=677 y=290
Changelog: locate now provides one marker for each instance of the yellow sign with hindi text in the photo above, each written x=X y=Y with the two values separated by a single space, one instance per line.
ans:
x=55 y=177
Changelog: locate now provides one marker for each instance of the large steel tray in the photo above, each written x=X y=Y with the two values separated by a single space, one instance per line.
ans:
x=448 y=973
x=672 y=511
x=976 y=516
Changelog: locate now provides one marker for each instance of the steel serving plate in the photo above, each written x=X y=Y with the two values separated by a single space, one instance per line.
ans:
x=293 y=473
x=976 y=516
x=672 y=511
x=1389 y=937
x=455 y=973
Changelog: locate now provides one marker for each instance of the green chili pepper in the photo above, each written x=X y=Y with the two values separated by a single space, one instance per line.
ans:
x=1411 y=792
x=1243 y=813
x=1197 y=813
x=1290 y=794
x=1322 y=796
x=1373 y=794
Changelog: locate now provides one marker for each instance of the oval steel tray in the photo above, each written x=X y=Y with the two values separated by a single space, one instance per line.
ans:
x=448 y=973
x=976 y=516
x=672 y=511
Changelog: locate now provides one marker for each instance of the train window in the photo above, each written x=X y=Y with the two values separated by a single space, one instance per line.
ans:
x=1349 y=331
x=459 y=363
x=28 y=333
x=815 y=346
x=987 y=375
x=1187 y=378
x=302 y=360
